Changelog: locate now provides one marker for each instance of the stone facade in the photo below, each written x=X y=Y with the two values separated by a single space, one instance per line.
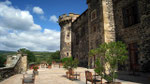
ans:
x=133 y=35
x=80 y=36
x=113 y=20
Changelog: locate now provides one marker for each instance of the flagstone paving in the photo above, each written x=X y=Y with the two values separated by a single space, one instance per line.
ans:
x=57 y=76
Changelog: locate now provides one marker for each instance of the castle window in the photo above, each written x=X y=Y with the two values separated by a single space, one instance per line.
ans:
x=94 y=28
x=67 y=54
x=93 y=15
x=130 y=15
x=68 y=35
x=148 y=1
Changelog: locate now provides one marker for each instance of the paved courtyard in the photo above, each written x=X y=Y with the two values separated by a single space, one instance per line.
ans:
x=57 y=76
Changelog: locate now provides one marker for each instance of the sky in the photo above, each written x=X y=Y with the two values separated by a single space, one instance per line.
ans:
x=32 y=24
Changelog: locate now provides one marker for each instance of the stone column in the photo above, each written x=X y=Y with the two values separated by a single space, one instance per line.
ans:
x=108 y=17
x=24 y=63
x=109 y=24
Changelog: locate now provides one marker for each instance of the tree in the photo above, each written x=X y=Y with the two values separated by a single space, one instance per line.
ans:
x=56 y=56
x=110 y=55
x=2 y=60
x=30 y=55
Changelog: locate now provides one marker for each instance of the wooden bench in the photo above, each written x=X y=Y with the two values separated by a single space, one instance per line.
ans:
x=90 y=78
x=73 y=75
x=28 y=79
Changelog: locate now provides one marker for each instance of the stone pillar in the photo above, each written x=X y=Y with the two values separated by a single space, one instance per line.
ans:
x=24 y=63
x=109 y=24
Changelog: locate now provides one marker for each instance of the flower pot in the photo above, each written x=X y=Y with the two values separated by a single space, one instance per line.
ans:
x=112 y=83
x=35 y=69
x=49 y=66
x=35 y=72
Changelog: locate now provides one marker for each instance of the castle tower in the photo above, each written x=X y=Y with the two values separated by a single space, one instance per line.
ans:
x=65 y=42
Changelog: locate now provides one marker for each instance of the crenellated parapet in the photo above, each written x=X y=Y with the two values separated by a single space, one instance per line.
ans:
x=65 y=19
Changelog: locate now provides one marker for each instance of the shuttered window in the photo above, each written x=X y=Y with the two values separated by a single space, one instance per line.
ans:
x=130 y=15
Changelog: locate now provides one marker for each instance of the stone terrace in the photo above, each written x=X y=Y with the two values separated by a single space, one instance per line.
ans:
x=57 y=76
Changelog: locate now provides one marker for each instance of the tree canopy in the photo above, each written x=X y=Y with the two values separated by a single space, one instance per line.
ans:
x=30 y=55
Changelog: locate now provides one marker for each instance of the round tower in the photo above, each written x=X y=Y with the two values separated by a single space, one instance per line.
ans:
x=65 y=42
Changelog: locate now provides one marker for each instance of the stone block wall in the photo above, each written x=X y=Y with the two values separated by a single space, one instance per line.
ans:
x=135 y=34
x=80 y=39
x=14 y=67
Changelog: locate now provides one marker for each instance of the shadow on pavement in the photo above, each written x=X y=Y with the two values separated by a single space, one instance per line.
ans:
x=137 y=78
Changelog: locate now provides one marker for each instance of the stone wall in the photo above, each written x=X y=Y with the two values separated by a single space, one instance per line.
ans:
x=80 y=39
x=144 y=34
x=16 y=64
x=95 y=27
x=133 y=34
x=6 y=72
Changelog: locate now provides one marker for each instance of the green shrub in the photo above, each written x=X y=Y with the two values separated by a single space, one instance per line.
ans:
x=70 y=63
x=2 y=60
x=110 y=54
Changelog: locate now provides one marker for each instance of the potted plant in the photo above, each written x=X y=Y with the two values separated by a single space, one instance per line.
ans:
x=110 y=55
x=35 y=70
x=70 y=63
x=50 y=65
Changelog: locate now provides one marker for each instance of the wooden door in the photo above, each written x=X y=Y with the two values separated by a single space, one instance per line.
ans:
x=133 y=55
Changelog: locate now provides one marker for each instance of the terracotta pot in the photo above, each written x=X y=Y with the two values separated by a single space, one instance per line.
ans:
x=49 y=67
x=112 y=83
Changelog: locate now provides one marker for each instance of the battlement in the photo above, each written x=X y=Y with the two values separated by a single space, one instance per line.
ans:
x=67 y=18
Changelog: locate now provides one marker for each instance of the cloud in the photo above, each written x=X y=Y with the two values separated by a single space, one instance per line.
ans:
x=16 y=19
x=42 y=17
x=18 y=30
x=53 y=18
x=38 y=10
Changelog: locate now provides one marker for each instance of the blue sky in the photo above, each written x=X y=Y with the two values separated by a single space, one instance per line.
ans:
x=32 y=24
x=51 y=7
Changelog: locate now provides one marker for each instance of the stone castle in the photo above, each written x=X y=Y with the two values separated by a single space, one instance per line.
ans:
x=106 y=21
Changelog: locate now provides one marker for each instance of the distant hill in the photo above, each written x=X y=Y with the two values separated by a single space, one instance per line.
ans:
x=43 y=54
x=3 y=51
x=6 y=53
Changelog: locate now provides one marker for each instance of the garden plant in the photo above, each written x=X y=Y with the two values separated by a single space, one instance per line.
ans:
x=109 y=55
